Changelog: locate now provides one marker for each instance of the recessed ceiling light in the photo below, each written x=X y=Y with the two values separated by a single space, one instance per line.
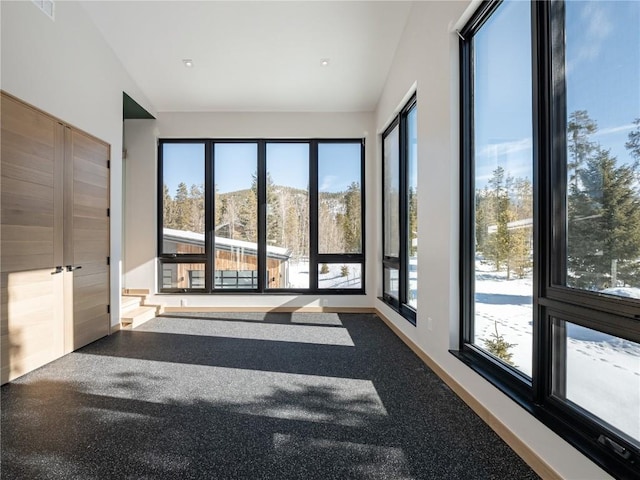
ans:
x=324 y=62
x=187 y=62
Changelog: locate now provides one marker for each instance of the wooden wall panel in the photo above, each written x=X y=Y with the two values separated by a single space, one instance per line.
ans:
x=32 y=323
x=88 y=232
x=54 y=185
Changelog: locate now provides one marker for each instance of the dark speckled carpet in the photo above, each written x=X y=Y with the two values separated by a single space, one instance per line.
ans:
x=246 y=396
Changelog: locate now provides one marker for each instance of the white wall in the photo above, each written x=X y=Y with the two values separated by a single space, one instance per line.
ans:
x=428 y=55
x=65 y=68
x=141 y=191
x=140 y=235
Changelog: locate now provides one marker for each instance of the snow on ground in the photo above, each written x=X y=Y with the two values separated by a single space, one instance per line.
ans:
x=630 y=292
x=507 y=303
x=603 y=372
x=299 y=275
x=603 y=377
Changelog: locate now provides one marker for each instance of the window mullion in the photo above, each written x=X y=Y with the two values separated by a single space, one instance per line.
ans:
x=160 y=202
x=262 y=215
x=467 y=186
x=313 y=215
x=209 y=214
x=403 y=216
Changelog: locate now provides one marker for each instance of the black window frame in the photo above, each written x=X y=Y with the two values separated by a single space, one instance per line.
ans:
x=208 y=258
x=551 y=299
x=401 y=262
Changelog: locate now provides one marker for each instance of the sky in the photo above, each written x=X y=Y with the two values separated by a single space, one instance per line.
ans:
x=182 y=162
x=338 y=166
x=603 y=77
x=287 y=163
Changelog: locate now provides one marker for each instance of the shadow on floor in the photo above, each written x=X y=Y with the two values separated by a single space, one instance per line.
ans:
x=156 y=405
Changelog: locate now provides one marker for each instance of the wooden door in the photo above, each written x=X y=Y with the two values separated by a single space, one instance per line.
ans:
x=87 y=237
x=32 y=323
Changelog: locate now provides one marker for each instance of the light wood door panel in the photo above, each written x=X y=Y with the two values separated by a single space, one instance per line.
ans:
x=87 y=227
x=54 y=193
x=32 y=334
x=32 y=321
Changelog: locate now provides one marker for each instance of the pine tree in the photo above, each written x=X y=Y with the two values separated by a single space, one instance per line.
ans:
x=168 y=208
x=604 y=224
x=330 y=224
x=633 y=144
x=499 y=347
x=247 y=215
x=196 y=208
x=521 y=241
x=498 y=242
x=218 y=206
x=579 y=129
x=351 y=220
x=520 y=261
x=182 y=207
x=413 y=221
x=274 y=213
x=483 y=218
x=292 y=236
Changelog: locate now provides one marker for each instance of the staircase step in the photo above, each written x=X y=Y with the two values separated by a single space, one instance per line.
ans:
x=138 y=316
x=159 y=308
x=136 y=291
x=128 y=303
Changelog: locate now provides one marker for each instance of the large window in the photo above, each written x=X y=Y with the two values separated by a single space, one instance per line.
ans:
x=400 y=212
x=235 y=214
x=551 y=216
x=503 y=196
x=182 y=202
x=288 y=213
x=261 y=215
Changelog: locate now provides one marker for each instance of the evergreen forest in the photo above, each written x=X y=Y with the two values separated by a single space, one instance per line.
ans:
x=602 y=213
x=236 y=216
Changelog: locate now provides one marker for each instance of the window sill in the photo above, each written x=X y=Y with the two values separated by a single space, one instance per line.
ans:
x=256 y=293
x=583 y=438
x=404 y=311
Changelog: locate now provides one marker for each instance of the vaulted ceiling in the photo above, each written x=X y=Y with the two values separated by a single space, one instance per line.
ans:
x=255 y=55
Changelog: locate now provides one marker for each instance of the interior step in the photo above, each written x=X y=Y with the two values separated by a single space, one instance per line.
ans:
x=128 y=303
x=138 y=316
x=134 y=309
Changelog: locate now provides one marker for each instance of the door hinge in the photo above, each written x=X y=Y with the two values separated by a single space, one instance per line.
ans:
x=108 y=260
x=108 y=212
x=108 y=308
x=108 y=163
